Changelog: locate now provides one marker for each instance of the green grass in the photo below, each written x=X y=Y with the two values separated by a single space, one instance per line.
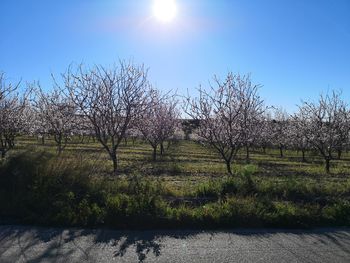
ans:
x=187 y=187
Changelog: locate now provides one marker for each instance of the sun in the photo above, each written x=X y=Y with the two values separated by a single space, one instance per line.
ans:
x=164 y=10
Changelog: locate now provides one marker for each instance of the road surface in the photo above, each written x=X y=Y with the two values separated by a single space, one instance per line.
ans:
x=37 y=244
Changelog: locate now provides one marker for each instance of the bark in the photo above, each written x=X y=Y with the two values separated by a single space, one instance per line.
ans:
x=328 y=165
x=154 y=153
x=11 y=143
x=115 y=162
x=339 y=154
x=247 y=158
x=59 y=149
x=303 y=156
x=161 y=149
x=58 y=140
x=281 y=151
x=228 y=166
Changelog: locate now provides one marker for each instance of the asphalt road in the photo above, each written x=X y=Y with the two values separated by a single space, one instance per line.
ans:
x=36 y=244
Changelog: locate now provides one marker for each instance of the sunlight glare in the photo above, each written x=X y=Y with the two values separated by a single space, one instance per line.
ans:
x=164 y=10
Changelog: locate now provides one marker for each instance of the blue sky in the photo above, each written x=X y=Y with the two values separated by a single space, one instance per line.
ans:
x=296 y=49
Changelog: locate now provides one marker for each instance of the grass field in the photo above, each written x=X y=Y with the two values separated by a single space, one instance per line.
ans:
x=188 y=186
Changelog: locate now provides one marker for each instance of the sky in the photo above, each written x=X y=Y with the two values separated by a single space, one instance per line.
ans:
x=296 y=49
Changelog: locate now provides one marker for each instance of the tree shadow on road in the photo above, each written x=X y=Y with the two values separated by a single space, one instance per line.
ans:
x=36 y=244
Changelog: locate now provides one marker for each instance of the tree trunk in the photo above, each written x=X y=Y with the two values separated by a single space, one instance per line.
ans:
x=264 y=149
x=281 y=151
x=161 y=149
x=327 y=165
x=11 y=143
x=228 y=166
x=154 y=153
x=303 y=156
x=247 y=158
x=115 y=163
x=3 y=154
x=43 y=140
x=113 y=155
x=59 y=149
x=339 y=154
x=125 y=141
x=58 y=140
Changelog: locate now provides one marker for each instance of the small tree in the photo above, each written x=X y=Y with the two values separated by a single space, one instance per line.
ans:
x=57 y=114
x=298 y=139
x=34 y=126
x=188 y=127
x=11 y=115
x=133 y=133
x=321 y=122
x=264 y=137
x=343 y=131
x=280 y=129
x=111 y=99
x=252 y=110
x=220 y=114
x=158 y=123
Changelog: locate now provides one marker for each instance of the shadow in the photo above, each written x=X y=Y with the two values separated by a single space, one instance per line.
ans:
x=36 y=244
x=143 y=243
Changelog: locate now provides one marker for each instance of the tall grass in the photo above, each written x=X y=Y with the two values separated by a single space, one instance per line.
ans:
x=41 y=188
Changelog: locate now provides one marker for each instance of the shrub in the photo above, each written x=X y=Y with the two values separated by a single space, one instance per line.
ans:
x=39 y=187
x=211 y=188
x=243 y=184
x=61 y=191
x=338 y=213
